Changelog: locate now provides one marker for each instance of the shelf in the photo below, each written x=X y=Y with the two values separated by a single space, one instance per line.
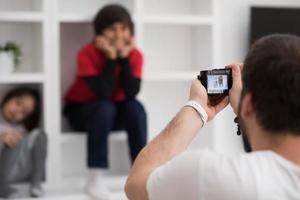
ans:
x=29 y=36
x=76 y=144
x=21 y=16
x=78 y=17
x=148 y=19
x=178 y=19
x=22 y=78
x=178 y=6
x=21 y=5
x=72 y=136
x=73 y=17
x=80 y=136
x=114 y=182
x=171 y=76
x=86 y=10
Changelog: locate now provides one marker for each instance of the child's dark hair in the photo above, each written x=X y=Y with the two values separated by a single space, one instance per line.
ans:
x=111 y=14
x=31 y=121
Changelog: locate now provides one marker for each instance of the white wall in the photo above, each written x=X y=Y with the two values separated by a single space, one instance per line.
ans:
x=234 y=18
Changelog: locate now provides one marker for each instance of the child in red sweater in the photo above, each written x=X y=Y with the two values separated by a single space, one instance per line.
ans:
x=102 y=97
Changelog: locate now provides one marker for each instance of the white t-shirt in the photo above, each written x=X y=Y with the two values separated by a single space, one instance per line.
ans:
x=206 y=175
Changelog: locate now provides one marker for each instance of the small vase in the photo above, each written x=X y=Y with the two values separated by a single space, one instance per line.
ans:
x=6 y=63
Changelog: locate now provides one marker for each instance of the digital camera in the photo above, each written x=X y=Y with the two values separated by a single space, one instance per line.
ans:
x=216 y=81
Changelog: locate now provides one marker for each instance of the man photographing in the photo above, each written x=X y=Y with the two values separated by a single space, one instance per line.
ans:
x=265 y=95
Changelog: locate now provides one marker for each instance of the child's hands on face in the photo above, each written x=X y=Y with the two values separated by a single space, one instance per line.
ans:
x=116 y=41
x=11 y=138
x=104 y=45
x=119 y=44
x=117 y=48
x=127 y=48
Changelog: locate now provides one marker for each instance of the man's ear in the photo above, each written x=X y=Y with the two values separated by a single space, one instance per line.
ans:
x=247 y=111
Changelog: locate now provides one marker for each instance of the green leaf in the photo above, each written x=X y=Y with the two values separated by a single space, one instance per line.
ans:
x=15 y=49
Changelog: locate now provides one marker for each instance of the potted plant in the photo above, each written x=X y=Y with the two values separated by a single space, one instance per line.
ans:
x=10 y=57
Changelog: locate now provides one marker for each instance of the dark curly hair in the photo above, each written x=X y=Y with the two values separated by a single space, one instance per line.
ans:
x=272 y=75
x=31 y=121
x=109 y=15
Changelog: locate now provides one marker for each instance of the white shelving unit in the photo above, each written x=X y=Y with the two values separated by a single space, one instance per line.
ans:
x=23 y=22
x=22 y=78
x=177 y=37
x=177 y=20
x=18 y=5
x=34 y=16
x=28 y=34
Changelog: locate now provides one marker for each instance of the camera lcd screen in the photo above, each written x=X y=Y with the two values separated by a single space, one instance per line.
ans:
x=217 y=84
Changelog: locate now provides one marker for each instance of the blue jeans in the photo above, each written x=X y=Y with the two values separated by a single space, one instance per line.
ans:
x=99 y=118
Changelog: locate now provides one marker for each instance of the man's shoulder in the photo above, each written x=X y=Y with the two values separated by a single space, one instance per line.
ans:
x=243 y=174
x=235 y=176
x=239 y=156
x=208 y=163
x=212 y=175
x=209 y=174
x=227 y=162
x=234 y=169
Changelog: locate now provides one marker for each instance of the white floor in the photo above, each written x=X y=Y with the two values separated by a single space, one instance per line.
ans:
x=72 y=189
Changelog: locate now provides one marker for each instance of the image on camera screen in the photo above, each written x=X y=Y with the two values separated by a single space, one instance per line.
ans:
x=217 y=84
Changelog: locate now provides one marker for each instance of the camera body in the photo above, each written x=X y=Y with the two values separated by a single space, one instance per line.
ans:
x=216 y=81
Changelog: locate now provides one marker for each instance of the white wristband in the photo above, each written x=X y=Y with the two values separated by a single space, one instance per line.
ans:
x=200 y=110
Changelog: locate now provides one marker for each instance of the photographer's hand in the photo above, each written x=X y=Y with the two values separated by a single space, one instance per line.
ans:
x=198 y=93
x=237 y=86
